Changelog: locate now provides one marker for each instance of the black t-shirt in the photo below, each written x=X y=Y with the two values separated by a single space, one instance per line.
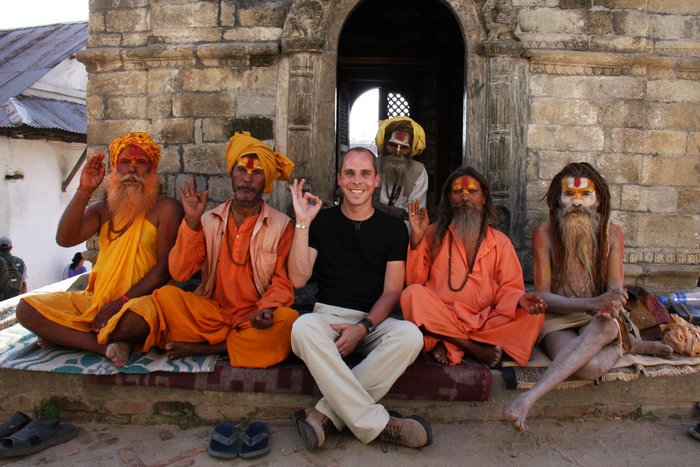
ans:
x=351 y=261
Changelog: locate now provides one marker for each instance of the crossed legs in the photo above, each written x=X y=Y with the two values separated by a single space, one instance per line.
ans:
x=130 y=329
x=350 y=396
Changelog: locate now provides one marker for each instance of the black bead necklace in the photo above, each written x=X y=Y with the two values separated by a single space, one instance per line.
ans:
x=470 y=265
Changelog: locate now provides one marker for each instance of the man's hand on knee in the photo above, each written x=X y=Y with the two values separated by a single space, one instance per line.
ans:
x=350 y=336
x=262 y=319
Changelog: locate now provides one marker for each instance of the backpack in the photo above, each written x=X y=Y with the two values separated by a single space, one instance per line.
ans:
x=10 y=279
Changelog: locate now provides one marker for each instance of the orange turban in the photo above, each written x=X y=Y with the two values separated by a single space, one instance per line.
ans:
x=418 y=135
x=140 y=139
x=275 y=165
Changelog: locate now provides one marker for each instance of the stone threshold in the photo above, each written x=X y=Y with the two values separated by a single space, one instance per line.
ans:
x=78 y=398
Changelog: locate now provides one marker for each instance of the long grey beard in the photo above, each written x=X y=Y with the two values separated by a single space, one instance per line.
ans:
x=578 y=228
x=467 y=224
x=394 y=171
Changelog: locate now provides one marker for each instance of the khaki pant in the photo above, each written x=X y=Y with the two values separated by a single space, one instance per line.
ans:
x=350 y=396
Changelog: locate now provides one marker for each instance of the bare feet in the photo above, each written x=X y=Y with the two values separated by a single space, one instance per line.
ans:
x=43 y=343
x=119 y=353
x=439 y=353
x=187 y=349
x=485 y=353
x=516 y=412
x=651 y=348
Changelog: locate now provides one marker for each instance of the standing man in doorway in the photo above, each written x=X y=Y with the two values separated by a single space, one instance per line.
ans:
x=403 y=180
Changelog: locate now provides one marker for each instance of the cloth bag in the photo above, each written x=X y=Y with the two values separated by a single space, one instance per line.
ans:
x=645 y=310
x=682 y=336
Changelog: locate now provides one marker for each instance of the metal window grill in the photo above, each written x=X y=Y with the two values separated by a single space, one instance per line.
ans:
x=397 y=105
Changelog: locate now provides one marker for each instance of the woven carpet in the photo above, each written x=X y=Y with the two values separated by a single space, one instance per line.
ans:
x=18 y=351
x=424 y=379
x=627 y=368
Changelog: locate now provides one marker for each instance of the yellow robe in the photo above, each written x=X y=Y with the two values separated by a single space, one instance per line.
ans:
x=122 y=262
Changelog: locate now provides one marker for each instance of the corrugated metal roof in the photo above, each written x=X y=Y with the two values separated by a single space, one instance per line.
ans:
x=37 y=112
x=26 y=55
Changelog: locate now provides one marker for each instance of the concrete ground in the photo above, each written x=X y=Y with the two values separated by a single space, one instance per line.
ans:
x=642 y=441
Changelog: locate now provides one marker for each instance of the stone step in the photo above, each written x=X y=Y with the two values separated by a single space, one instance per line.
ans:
x=79 y=399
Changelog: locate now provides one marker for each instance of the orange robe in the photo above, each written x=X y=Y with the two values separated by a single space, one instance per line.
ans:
x=121 y=263
x=181 y=316
x=485 y=310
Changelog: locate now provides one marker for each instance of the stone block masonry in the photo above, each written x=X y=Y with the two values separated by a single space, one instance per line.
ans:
x=615 y=83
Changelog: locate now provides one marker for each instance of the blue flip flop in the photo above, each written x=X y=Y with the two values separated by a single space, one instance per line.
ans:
x=225 y=441
x=18 y=421
x=36 y=436
x=694 y=431
x=256 y=440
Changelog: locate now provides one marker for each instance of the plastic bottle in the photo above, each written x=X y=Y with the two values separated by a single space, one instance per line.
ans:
x=680 y=298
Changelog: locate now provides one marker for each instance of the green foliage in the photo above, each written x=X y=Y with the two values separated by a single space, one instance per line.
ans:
x=640 y=415
x=49 y=408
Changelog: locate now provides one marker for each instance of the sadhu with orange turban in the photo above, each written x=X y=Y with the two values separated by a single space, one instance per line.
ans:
x=139 y=139
x=275 y=165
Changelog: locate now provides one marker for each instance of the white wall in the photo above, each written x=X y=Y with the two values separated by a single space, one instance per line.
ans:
x=67 y=81
x=30 y=207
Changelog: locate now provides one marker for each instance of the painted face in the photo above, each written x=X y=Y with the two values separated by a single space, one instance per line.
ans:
x=399 y=144
x=357 y=178
x=250 y=164
x=248 y=179
x=578 y=191
x=133 y=159
x=466 y=188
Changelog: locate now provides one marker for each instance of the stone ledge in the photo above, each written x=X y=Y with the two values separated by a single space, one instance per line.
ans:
x=80 y=399
x=612 y=60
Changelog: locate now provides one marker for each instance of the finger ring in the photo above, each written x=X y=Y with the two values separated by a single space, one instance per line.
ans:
x=186 y=196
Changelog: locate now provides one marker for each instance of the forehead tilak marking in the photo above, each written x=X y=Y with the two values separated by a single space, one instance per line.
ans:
x=576 y=182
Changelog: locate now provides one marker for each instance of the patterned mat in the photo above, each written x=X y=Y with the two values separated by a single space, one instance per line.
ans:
x=628 y=368
x=18 y=351
x=424 y=379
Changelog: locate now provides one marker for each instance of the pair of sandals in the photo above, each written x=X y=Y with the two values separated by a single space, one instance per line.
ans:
x=21 y=436
x=228 y=442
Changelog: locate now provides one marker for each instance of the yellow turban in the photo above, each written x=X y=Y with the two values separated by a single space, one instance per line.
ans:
x=140 y=139
x=275 y=165
x=418 y=135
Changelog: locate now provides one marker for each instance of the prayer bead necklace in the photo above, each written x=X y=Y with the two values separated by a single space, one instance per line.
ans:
x=470 y=265
x=118 y=233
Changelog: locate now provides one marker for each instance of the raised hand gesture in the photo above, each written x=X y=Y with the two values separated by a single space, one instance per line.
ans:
x=418 y=218
x=193 y=203
x=92 y=174
x=306 y=205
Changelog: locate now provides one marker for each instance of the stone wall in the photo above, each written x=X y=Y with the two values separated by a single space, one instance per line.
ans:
x=616 y=83
x=188 y=72
x=612 y=82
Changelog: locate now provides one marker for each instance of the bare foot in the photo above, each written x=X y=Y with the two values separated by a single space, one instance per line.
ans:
x=651 y=348
x=516 y=412
x=439 y=353
x=119 y=353
x=43 y=343
x=187 y=349
x=485 y=353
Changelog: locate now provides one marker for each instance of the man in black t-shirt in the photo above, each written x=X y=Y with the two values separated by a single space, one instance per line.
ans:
x=358 y=254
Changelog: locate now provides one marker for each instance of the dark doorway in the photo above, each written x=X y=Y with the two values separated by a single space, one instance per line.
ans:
x=413 y=52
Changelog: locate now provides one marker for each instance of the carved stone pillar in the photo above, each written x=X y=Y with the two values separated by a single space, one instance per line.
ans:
x=506 y=151
x=301 y=95
x=303 y=41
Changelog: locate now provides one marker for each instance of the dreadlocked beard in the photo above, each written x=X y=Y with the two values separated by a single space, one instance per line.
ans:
x=578 y=226
x=394 y=170
x=131 y=195
x=466 y=222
